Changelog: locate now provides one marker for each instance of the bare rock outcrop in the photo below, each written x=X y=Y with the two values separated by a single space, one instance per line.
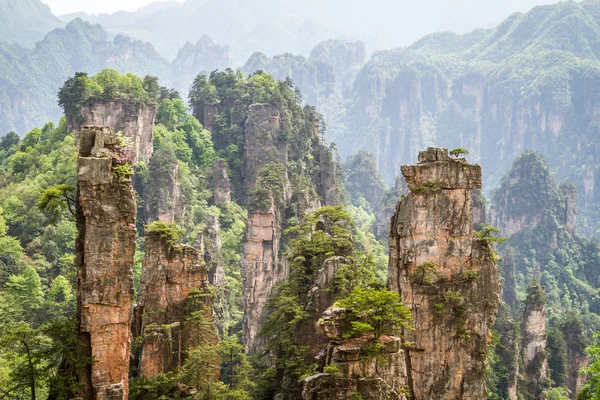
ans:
x=349 y=368
x=446 y=275
x=221 y=185
x=262 y=269
x=534 y=342
x=570 y=197
x=164 y=197
x=106 y=213
x=211 y=245
x=171 y=274
x=274 y=193
x=136 y=121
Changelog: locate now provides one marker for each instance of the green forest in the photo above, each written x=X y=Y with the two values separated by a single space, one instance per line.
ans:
x=335 y=223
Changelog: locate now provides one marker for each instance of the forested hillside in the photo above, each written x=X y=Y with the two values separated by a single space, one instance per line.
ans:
x=528 y=84
x=26 y=21
x=30 y=77
x=184 y=229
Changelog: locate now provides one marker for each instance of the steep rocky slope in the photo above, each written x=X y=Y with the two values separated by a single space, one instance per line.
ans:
x=448 y=277
x=525 y=85
x=106 y=213
x=173 y=275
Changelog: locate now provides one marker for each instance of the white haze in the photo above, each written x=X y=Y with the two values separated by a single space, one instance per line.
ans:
x=275 y=26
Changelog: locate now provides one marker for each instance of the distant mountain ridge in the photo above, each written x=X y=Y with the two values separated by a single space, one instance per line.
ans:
x=529 y=84
x=25 y=21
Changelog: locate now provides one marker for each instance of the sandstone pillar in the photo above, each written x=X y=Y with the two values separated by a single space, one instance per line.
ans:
x=106 y=213
x=446 y=276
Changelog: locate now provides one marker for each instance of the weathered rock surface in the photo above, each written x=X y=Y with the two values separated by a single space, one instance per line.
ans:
x=211 y=244
x=569 y=196
x=164 y=199
x=534 y=342
x=454 y=302
x=263 y=265
x=136 y=122
x=206 y=113
x=221 y=185
x=106 y=213
x=262 y=269
x=379 y=377
x=170 y=274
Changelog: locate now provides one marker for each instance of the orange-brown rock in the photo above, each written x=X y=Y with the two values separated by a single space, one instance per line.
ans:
x=446 y=276
x=171 y=273
x=263 y=265
x=262 y=270
x=350 y=369
x=164 y=199
x=106 y=213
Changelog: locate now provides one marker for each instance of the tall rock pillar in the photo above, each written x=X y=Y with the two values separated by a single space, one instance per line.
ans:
x=106 y=213
x=535 y=338
x=446 y=276
x=172 y=273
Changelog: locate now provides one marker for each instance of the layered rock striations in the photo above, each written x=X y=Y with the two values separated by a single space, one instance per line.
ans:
x=172 y=275
x=163 y=196
x=275 y=193
x=134 y=120
x=106 y=214
x=221 y=185
x=535 y=363
x=446 y=275
x=350 y=369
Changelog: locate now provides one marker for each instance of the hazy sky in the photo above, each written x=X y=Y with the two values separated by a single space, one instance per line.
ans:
x=60 y=7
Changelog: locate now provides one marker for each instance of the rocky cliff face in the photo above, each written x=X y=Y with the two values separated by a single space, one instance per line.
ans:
x=221 y=185
x=527 y=197
x=272 y=189
x=170 y=274
x=262 y=269
x=534 y=340
x=106 y=213
x=136 y=122
x=353 y=371
x=211 y=245
x=446 y=276
x=206 y=114
x=163 y=200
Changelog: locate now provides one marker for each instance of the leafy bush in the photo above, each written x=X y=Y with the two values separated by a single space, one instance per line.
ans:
x=381 y=312
x=172 y=233
x=459 y=151
x=424 y=274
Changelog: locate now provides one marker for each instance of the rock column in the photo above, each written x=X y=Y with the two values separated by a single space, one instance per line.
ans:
x=171 y=273
x=446 y=276
x=106 y=213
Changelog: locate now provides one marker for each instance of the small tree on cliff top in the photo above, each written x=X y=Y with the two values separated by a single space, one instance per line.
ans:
x=379 y=311
x=459 y=151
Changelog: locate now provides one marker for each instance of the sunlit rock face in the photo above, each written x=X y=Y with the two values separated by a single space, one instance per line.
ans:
x=263 y=264
x=136 y=122
x=446 y=276
x=170 y=275
x=105 y=247
x=380 y=376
